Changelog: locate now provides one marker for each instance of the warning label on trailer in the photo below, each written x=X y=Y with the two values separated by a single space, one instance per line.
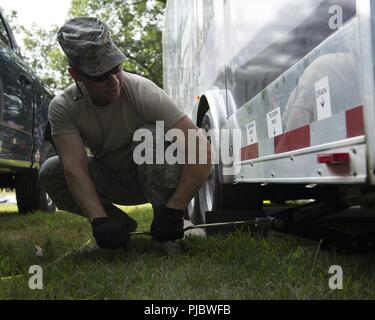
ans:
x=323 y=99
x=251 y=130
x=275 y=127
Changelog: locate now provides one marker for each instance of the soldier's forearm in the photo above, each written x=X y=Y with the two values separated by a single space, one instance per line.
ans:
x=84 y=193
x=192 y=179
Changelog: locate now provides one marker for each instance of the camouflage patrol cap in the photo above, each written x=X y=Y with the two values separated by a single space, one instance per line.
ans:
x=87 y=43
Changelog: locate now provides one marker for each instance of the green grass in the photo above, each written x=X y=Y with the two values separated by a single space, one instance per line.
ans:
x=233 y=267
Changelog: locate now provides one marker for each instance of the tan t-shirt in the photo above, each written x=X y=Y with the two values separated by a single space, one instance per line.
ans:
x=108 y=131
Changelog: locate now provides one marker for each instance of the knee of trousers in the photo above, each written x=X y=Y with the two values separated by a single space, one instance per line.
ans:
x=159 y=181
x=51 y=169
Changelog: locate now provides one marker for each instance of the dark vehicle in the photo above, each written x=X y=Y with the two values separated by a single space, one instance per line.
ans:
x=24 y=104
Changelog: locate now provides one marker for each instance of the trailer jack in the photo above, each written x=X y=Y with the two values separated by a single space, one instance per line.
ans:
x=319 y=222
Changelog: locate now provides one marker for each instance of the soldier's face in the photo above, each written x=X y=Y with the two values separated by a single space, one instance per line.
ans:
x=111 y=87
x=107 y=90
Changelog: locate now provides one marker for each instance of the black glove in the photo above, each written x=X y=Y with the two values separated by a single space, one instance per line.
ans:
x=120 y=216
x=168 y=224
x=110 y=234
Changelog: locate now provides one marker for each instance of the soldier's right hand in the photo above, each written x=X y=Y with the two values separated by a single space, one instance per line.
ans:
x=110 y=234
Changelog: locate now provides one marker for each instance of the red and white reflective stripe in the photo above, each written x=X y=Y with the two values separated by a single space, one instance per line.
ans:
x=250 y=152
x=301 y=138
x=355 y=122
x=293 y=140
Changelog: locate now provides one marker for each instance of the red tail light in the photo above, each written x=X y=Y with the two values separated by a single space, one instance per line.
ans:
x=334 y=158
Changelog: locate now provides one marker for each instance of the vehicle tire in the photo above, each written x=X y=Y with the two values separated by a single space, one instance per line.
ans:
x=30 y=194
x=215 y=196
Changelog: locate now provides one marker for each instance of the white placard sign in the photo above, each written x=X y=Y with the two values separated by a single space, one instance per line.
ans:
x=275 y=127
x=251 y=130
x=323 y=99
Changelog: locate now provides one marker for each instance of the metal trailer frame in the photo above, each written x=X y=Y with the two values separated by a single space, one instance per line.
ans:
x=297 y=163
x=366 y=11
x=298 y=169
x=289 y=166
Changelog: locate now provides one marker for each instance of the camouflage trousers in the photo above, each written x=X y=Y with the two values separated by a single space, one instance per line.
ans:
x=139 y=184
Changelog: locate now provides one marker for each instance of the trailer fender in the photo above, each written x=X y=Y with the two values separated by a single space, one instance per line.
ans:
x=215 y=101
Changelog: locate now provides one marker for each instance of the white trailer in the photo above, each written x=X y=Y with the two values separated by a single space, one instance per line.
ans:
x=296 y=78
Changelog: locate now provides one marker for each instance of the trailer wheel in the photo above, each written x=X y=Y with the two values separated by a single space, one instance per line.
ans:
x=216 y=196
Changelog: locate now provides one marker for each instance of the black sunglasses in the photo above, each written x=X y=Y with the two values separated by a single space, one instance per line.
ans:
x=103 y=77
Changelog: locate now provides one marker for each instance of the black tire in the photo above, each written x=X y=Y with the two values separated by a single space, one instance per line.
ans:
x=215 y=196
x=30 y=194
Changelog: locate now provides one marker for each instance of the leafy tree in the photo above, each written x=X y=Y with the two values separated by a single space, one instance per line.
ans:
x=136 y=28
